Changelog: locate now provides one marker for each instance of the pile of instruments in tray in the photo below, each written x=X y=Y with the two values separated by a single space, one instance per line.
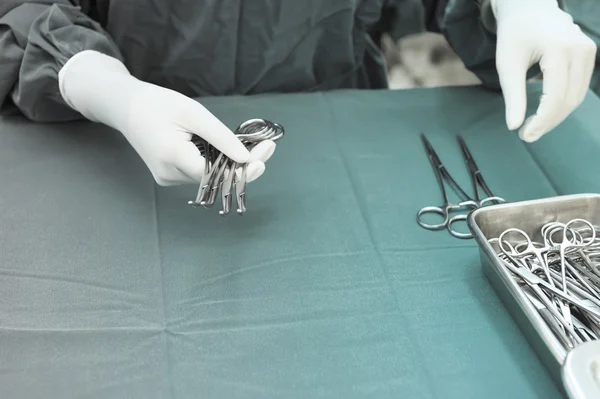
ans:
x=559 y=275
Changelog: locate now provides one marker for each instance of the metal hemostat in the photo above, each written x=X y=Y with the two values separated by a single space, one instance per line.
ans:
x=560 y=275
x=466 y=204
x=221 y=173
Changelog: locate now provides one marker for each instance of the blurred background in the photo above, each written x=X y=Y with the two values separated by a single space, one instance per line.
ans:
x=424 y=60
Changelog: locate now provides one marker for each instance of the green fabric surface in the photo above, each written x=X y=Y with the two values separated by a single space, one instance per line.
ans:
x=112 y=287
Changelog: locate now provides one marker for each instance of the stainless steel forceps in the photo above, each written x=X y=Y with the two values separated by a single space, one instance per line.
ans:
x=466 y=203
x=221 y=173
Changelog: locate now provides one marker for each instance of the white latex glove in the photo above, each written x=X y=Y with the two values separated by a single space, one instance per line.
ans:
x=532 y=31
x=157 y=122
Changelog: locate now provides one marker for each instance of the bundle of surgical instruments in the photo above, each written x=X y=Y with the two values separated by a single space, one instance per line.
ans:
x=466 y=203
x=559 y=275
x=221 y=173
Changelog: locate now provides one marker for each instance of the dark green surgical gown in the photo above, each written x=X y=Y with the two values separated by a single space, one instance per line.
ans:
x=223 y=47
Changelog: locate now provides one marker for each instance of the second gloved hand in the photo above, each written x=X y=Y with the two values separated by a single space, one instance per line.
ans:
x=538 y=31
x=157 y=122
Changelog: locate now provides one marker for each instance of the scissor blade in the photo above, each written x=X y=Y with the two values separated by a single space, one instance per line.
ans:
x=547 y=314
x=443 y=174
x=468 y=156
x=431 y=152
x=474 y=169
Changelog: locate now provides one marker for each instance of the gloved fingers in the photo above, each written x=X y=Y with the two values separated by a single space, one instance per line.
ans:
x=552 y=108
x=188 y=161
x=263 y=151
x=169 y=175
x=258 y=156
x=512 y=63
x=581 y=70
x=578 y=83
x=176 y=179
x=591 y=53
x=254 y=171
x=196 y=119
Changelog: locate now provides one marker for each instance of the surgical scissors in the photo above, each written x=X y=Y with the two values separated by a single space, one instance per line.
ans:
x=465 y=203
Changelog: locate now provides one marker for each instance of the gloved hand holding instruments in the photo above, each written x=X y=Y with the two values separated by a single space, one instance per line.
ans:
x=159 y=123
x=169 y=131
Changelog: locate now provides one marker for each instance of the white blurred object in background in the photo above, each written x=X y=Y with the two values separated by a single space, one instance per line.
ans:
x=424 y=60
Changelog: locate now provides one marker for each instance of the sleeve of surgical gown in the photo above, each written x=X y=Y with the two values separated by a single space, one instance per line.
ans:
x=36 y=39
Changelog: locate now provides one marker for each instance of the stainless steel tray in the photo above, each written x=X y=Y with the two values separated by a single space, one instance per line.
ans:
x=489 y=222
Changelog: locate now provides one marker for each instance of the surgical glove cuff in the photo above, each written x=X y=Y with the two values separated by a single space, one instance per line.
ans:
x=99 y=87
